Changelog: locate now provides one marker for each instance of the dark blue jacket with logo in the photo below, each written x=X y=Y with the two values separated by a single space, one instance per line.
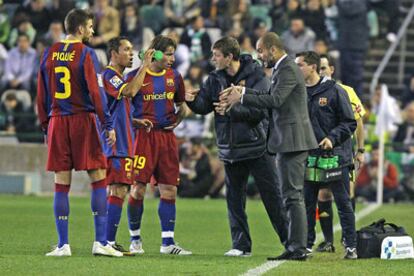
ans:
x=241 y=133
x=331 y=116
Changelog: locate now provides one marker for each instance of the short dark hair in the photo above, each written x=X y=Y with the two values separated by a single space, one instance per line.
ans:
x=162 y=42
x=311 y=58
x=76 y=18
x=20 y=34
x=228 y=45
x=328 y=58
x=114 y=43
x=271 y=39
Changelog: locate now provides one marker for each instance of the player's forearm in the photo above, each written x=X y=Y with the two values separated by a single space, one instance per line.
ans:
x=360 y=135
x=132 y=88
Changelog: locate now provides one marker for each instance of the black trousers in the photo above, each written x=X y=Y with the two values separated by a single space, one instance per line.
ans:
x=340 y=190
x=263 y=170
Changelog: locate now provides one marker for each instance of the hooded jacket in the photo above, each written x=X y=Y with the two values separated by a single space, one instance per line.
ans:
x=241 y=132
x=331 y=116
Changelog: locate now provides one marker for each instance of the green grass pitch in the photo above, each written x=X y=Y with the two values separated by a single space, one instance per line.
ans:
x=27 y=232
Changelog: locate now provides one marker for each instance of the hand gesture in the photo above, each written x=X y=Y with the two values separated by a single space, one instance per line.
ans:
x=111 y=137
x=143 y=123
x=326 y=144
x=190 y=95
x=148 y=57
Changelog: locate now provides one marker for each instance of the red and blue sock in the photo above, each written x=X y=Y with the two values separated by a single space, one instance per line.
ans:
x=99 y=210
x=61 y=210
x=166 y=212
x=114 y=216
x=135 y=211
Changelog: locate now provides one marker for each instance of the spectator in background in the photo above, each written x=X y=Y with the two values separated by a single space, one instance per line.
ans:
x=298 y=38
x=314 y=17
x=404 y=139
x=59 y=9
x=4 y=25
x=353 y=38
x=239 y=15
x=55 y=33
x=408 y=93
x=24 y=26
x=20 y=64
x=279 y=16
x=246 y=46
x=37 y=13
x=195 y=75
x=107 y=23
x=132 y=28
x=182 y=54
x=196 y=177
x=10 y=110
x=178 y=12
x=368 y=178
x=391 y=8
x=331 y=19
x=259 y=29
x=197 y=40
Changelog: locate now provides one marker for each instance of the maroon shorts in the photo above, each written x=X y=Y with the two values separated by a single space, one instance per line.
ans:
x=120 y=171
x=73 y=143
x=156 y=154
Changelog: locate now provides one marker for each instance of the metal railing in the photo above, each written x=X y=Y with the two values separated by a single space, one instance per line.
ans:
x=401 y=37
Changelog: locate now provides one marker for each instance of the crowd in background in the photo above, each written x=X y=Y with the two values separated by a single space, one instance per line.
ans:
x=341 y=28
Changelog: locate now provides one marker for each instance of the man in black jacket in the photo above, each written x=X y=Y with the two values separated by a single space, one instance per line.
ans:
x=333 y=122
x=290 y=133
x=241 y=139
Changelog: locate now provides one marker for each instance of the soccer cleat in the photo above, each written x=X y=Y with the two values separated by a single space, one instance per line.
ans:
x=136 y=247
x=326 y=247
x=351 y=254
x=308 y=252
x=174 y=249
x=120 y=248
x=237 y=253
x=63 y=251
x=105 y=250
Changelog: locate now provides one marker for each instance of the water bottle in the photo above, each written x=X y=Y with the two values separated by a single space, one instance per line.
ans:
x=157 y=55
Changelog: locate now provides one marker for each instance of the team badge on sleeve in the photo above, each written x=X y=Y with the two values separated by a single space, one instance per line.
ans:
x=323 y=101
x=116 y=81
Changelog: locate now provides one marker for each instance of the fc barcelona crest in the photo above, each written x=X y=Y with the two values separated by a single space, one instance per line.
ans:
x=170 y=82
x=323 y=101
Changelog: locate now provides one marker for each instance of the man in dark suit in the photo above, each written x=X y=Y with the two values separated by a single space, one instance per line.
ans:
x=290 y=133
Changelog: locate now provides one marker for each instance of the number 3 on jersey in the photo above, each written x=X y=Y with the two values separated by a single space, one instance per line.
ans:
x=65 y=80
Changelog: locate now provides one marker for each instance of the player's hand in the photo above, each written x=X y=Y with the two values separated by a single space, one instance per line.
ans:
x=111 y=137
x=190 y=95
x=326 y=144
x=231 y=95
x=359 y=158
x=220 y=108
x=143 y=123
x=148 y=57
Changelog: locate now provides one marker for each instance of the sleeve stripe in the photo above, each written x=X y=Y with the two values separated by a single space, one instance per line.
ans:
x=120 y=91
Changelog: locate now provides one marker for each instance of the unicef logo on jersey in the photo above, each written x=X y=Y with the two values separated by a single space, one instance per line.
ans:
x=157 y=97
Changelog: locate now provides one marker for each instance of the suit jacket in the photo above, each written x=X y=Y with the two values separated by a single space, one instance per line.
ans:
x=290 y=129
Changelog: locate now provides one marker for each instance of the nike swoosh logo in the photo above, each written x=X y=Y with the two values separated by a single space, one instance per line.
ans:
x=145 y=84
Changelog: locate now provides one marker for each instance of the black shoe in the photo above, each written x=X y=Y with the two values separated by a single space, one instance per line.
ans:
x=296 y=255
x=326 y=247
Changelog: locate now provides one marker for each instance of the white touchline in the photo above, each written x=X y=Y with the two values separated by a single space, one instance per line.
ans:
x=269 y=265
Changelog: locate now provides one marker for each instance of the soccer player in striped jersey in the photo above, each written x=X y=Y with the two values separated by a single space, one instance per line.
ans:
x=161 y=101
x=69 y=97
x=120 y=175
